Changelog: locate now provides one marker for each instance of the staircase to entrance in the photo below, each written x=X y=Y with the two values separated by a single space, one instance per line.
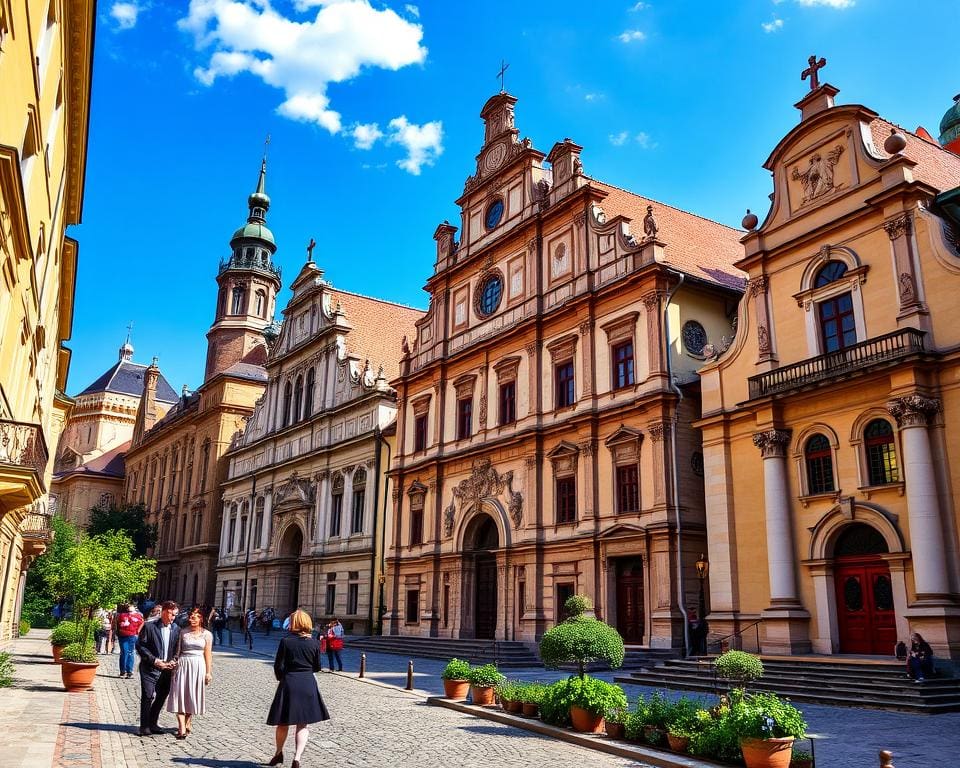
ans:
x=506 y=653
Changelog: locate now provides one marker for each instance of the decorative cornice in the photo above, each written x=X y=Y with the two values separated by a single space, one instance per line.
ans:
x=898 y=226
x=913 y=410
x=772 y=443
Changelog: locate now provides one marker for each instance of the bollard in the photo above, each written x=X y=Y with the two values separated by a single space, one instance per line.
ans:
x=363 y=664
x=410 y=675
x=886 y=759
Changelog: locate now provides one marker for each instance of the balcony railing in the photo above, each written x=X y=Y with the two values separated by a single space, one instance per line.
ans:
x=36 y=525
x=22 y=445
x=249 y=262
x=833 y=365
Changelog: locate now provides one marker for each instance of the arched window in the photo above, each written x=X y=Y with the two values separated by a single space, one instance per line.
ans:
x=238 y=307
x=287 y=402
x=258 y=523
x=830 y=273
x=359 y=500
x=261 y=304
x=298 y=399
x=881 y=453
x=838 y=326
x=308 y=399
x=819 y=461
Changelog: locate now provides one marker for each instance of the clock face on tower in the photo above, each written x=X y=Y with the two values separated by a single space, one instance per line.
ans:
x=494 y=214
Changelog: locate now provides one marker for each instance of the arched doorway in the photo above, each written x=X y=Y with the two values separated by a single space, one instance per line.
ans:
x=288 y=576
x=482 y=541
x=865 y=613
x=630 y=599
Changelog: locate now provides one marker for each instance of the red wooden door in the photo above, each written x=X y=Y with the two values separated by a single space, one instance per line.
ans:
x=630 y=606
x=865 y=606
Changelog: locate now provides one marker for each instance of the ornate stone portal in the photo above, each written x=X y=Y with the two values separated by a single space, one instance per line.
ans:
x=484 y=483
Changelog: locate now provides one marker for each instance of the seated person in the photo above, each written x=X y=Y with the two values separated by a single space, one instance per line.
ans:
x=920 y=660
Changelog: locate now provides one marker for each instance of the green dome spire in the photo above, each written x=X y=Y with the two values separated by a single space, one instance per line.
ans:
x=259 y=204
x=950 y=124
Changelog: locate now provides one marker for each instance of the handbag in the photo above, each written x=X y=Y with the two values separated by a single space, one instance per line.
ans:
x=323 y=645
x=336 y=643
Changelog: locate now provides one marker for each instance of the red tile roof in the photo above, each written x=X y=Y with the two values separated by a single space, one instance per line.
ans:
x=936 y=166
x=695 y=246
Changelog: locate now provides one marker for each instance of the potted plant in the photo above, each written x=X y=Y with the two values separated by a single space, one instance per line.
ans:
x=78 y=666
x=655 y=721
x=483 y=680
x=801 y=759
x=614 y=720
x=681 y=723
x=589 y=699
x=739 y=667
x=766 y=726
x=531 y=694
x=509 y=694
x=455 y=675
x=60 y=637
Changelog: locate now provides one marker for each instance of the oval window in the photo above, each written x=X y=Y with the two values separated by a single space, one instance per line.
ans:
x=490 y=294
x=694 y=337
x=494 y=214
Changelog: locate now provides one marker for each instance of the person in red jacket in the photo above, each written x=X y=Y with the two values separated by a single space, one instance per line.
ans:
x=129 y=623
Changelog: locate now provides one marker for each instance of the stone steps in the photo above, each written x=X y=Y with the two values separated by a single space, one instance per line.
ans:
x=508 y=654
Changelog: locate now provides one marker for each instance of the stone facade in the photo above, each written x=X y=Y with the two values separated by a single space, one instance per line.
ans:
x=45 y=72
x=304 y=508
x=541 y=438
x=831 y=502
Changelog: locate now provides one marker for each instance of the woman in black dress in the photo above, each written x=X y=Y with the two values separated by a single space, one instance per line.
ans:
x=297 y=700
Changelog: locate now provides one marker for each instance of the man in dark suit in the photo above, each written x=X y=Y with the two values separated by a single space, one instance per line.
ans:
x=157 y=646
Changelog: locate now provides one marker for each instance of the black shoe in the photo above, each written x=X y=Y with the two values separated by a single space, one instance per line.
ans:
x=276 y=759
x=340 y=670
x=144 y=732
x=295 y=764
x=157 y=730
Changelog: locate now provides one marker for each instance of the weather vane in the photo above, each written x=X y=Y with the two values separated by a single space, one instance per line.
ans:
x=503 y=69
x=266 y=146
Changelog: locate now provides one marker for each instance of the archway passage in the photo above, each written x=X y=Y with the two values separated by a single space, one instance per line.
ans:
x=630 y=599
x=865 y=613
x=288 y=573
x=483 y=538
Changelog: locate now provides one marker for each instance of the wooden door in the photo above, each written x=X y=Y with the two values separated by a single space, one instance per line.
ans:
x=865 y=606
x=630 y=605
x=486 y=596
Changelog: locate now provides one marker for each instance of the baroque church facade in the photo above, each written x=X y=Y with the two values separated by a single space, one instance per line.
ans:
x=304 y=512
x=175 y=463
x=831 y=494
x=545 y=445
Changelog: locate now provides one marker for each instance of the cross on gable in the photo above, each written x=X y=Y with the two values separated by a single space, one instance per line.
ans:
x=811 y=71
x=503 y=68
x=310 y=246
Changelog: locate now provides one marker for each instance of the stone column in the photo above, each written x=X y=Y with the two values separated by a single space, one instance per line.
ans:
x=785 y=626
x=913 y=312
x=913 y=413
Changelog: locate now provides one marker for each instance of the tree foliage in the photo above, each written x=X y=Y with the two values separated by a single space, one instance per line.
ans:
x=580 y=640
x=130 y=519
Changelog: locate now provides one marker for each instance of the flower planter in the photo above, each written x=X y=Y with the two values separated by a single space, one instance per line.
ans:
x=614 y=730
x=57 y=650
x=678 y=743
x=585 y=721
x=76 y=676
x=482 y=696
x=530 y=710
x=511 y=706
x=456 y=689
x=767 y=753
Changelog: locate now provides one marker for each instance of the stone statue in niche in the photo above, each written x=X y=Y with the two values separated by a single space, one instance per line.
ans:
x=448 y=517
x=908 y=292
x=763 y=340
x=817 y=179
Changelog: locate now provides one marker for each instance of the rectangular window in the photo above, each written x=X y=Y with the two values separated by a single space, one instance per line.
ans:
x=623 y=365
x=353 y=598
x=331 y=600
x=563 y=384
x=628 y=489
x=464 y=418
x=413 y=606
x=566 y=488
x=243 y=531
x=416 y=527
x=356 y=523
x=420 y=433
x=336 y=508
x=253 y=593
x=508 y=402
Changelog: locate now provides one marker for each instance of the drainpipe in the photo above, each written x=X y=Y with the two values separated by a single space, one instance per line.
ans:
x=681 y=597
x=382 y=575
x=378 y=440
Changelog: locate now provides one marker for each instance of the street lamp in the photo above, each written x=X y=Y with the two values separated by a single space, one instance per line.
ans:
x=703 y=567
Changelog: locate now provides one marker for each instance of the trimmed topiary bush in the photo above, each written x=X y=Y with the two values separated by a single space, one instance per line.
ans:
x=739 y=666
x=79 y=653
x=577 y=606
x=581 y=640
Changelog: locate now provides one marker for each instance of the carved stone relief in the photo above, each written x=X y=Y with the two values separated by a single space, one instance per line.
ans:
x=818 y=177
x=484 y=483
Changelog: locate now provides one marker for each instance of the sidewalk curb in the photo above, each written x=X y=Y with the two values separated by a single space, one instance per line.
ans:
x=595 y=742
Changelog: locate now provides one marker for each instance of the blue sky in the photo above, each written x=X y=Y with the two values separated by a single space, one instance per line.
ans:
x=373 y=113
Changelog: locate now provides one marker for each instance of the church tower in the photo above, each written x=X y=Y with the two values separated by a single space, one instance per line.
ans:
x=248 y=283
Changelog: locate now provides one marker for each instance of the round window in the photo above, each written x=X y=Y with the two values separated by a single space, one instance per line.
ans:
x=491 y=291
x=494 y=214
x=694 y=337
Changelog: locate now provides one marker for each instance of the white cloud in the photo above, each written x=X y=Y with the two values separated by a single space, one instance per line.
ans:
x=828 y=3
x=423 y=143
x=301 y=58
x=619 y=139
x=631 y=36
x=125 y=15
x=412 y=10
x=592 y=96
x=640 y=7
x=365 y=135
x=642 y=139
x=772 y=26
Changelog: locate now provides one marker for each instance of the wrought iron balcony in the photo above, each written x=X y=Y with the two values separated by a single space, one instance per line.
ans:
x=36 y=525
x=249 y=262
x=881 y=350
x=22 y=446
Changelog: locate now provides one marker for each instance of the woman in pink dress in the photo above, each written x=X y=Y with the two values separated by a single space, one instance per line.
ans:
x=193 y=673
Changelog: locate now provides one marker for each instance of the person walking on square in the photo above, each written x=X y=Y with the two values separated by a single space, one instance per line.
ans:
x=193 y=673
x=157 y=647
x=129 y=622
x=217 y=620
x=335 y=643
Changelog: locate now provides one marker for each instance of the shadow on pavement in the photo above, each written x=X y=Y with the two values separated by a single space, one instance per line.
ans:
x=122 y=727
x=39 y=687
x=210 y=762
x=503 y=730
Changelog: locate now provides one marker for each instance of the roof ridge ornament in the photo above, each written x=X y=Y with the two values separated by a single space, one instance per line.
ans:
x=812 y=71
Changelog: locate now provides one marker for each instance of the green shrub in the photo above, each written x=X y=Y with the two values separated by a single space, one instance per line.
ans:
x=485 y=676
x=595 y=696
x=658 y=710
x=716 y=736
x=581 y=640
x=79 y=653
x=616 y=715
x=739 y=666
x=509 y=690
x=577 y=606
x=64 y=633
x=6 y=670
x=554 y=707
x=800 y=756
x=531 y=693
x=24 y=627
x=456 y=670
x=681 y=719
x=765 y=716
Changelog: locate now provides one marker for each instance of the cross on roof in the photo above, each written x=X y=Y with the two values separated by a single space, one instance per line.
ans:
x=310 y=246
x=503 y=68
x=811 y=71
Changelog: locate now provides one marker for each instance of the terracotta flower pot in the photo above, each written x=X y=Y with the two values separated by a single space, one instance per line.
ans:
x=653 y=735
x=57 y=650
x=456 y=689
x=512 y=706
x=482 y=696
x=678 y=743
x=529 y=709
x=585 y=721
x=77 y=677
x=614 y=730
x=767 y=753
